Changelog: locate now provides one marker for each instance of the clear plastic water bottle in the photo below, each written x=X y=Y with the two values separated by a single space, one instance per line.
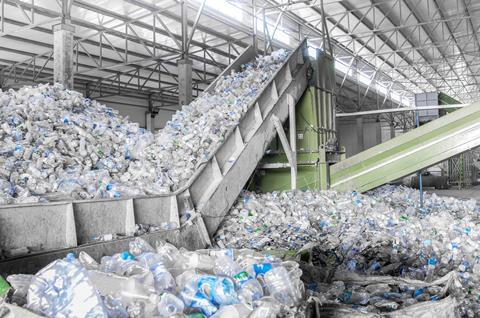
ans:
x=114 y=307
x=139 y=246
x=217 y=289
x=110 y=264
x=196 y=260
x=164 y=280
x=64 y=289
x=148 y=259
x=169 y=253
x=193 y=298
x=280 y=286
x=131 y=291
x=170 y=305
x=87 y=261
x=128 y=265
x=249 y=288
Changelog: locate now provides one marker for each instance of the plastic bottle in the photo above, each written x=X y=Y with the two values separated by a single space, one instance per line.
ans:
x=170 y=305
x=191 y=295
x=266 y=307
x=199 y=261
x=110 y=264
x=164 y=280
x=355 y=297
x=280 y=286
x=149 y=259
x=131 y=291
x=62 y=288
x=20 y=284
x=139 y=246
x=169 y=253
x=129 y=267
x=219 y=290
x=122 y=264
x=87 y=261
x=195 y=299
x=249 y=288
x=114 y=307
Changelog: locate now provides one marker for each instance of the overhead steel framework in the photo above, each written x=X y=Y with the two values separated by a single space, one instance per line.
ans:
x=385 y=50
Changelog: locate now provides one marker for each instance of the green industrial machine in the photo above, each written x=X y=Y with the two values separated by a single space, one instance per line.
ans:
x=316 y=138
x=320 y=161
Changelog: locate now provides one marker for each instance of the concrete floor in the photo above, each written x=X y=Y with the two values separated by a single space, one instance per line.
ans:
x=473 y=192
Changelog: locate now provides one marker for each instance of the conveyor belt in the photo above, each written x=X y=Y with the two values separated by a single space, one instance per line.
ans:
x=56 y=228
x=418 y=149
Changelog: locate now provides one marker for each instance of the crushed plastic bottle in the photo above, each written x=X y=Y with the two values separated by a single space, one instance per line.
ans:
x=63 y=288
x=280 y=286
x=170 y=305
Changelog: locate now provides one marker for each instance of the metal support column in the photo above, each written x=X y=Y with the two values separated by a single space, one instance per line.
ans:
x=254 y=33
x=360 y=144
x=286 y=147
x=150 y=116
x=184 y=81
x=293 y=140
x=378 y=131
x=63 y=54
x=420 y=181
x=184 y=64
x=63 y=48
x=87 y=90
x=392 y=130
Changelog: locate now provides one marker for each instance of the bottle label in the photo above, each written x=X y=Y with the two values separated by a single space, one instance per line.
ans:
x=262 y=269
x=241 y=278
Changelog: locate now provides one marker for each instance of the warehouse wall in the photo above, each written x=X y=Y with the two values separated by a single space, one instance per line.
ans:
x=135 y=109
x=373 y=133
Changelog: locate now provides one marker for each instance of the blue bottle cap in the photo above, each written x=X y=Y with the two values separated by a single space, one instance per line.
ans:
x=70 y=257
x=125 y=255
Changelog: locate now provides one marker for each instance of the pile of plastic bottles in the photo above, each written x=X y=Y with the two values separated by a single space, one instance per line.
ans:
x=163 y=282
x=193 y=134
x=54 y=142
x=385 y=232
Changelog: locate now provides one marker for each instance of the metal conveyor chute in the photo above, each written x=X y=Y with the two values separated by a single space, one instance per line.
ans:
x=418 y=149
x=49 y=230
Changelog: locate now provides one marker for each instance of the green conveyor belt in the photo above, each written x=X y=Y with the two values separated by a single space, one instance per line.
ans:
x=420 y=148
